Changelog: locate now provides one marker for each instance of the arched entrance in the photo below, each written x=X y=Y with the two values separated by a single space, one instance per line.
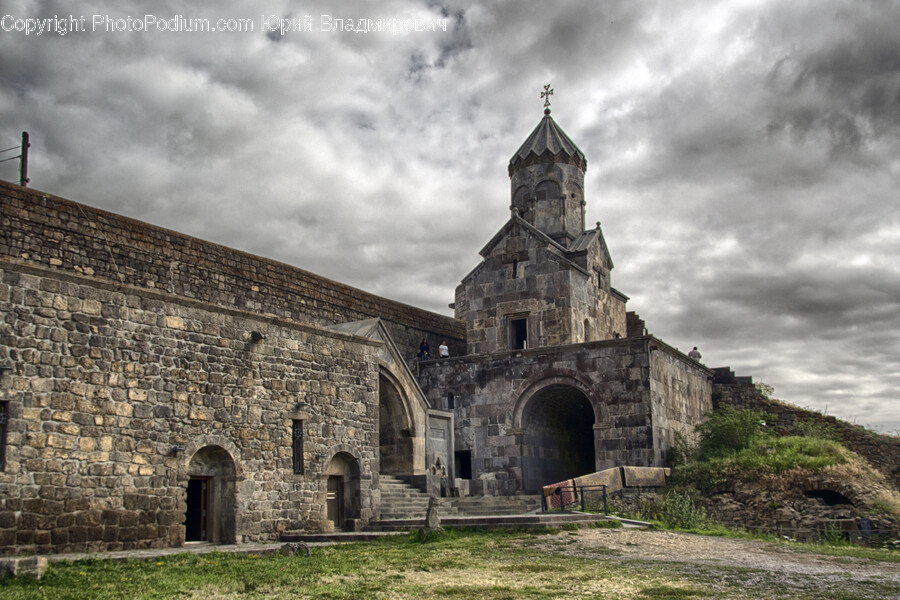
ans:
x=558 y=422
x=342 y=499
x=395 y=430
x=210 y=514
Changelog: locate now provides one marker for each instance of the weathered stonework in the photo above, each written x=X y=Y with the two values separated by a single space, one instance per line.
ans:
x=563 y=296
x=635 y=393
x=115 y=389
x=789 y=507
x=165 y=389
x=41 y=229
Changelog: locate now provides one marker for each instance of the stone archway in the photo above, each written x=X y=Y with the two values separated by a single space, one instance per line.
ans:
x=342 y=498
x=558 y=425
x=396 y=445
x=210 y=514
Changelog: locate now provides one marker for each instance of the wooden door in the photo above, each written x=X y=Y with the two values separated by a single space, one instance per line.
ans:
x=334 y=500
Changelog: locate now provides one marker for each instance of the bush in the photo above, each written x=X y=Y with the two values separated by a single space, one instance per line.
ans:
x=727 y=429
x=678 y=511
x=681 y=451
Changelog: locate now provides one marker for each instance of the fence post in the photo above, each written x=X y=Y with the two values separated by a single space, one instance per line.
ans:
x=582 y=498
x=605 y=505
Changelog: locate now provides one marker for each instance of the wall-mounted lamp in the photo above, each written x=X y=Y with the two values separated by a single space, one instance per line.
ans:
x=4 y=368
x=320 y=455
x=176 y=450
x=257 y=336
x=301 y=405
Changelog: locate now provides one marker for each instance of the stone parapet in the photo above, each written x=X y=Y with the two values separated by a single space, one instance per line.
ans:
x=41 y=229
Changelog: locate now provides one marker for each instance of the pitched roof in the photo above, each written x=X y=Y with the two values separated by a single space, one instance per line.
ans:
x=548 y=142
x=560 y=251
x=588 y=239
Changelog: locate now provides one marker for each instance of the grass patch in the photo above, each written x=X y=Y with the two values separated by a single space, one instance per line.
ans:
x=847 y=550
x=608 y=524
x=763 y=455
x=494 y=566
x=667 y=592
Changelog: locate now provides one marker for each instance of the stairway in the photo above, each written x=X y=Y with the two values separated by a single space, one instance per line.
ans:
x=403 y=509
x=400 y=500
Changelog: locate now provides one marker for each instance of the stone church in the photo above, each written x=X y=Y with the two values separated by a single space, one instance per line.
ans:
x=157 y=389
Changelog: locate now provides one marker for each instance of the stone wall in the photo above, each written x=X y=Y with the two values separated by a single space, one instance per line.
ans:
x=681 y=391
x=492 y=395
x=791 y=505
x=550 y=196
x=524 y=277
x=40 y=229
x=882 y=451
x=115 y=389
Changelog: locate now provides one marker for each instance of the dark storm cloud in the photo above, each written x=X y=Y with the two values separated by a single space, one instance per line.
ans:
x=742 y=157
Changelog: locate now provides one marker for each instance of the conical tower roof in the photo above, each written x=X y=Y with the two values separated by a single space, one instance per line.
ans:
x=547 y=143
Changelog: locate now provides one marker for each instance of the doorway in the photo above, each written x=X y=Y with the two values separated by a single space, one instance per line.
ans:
x=196 y=518
x=211 y=497
x=559 y=437
x=334 y=501
x=342 y=492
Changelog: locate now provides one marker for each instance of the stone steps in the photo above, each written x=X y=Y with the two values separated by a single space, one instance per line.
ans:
x=402 y=501
x=399 y=499
x=529 y=521
x=403 y=508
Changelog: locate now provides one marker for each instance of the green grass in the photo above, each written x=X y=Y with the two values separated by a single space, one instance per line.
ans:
x=458 y=565
x=846 y=550
x=772 y=455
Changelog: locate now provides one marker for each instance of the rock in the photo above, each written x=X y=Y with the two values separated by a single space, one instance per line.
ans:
x=293 y=549
x=28 y=565
x=432 y=518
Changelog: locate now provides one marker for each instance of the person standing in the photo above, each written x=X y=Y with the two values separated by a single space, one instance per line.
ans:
x=424 y=350
x=695 y=354
x=443 y=350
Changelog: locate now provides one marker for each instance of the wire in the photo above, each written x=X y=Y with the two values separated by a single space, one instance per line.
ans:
x=13 y=158
x=13 y=148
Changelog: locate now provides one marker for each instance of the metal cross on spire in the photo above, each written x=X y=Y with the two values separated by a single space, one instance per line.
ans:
x=546 y=95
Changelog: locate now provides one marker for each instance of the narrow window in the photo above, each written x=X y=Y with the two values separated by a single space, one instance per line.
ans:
x=515 y=269
x=297 y=445
x=518 y=334
x=451 y=402
x=4 y=426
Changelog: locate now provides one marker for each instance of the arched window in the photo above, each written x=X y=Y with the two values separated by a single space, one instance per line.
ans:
x=546 y=190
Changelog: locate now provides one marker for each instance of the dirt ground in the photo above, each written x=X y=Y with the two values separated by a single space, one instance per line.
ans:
x=773 y=562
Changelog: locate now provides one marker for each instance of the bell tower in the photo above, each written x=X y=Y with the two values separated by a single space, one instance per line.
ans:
x=547 y=180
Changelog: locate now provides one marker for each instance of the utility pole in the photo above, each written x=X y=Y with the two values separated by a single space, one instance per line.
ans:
x=23 y=161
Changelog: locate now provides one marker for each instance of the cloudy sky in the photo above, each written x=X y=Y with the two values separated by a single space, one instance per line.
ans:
x=743 y=156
